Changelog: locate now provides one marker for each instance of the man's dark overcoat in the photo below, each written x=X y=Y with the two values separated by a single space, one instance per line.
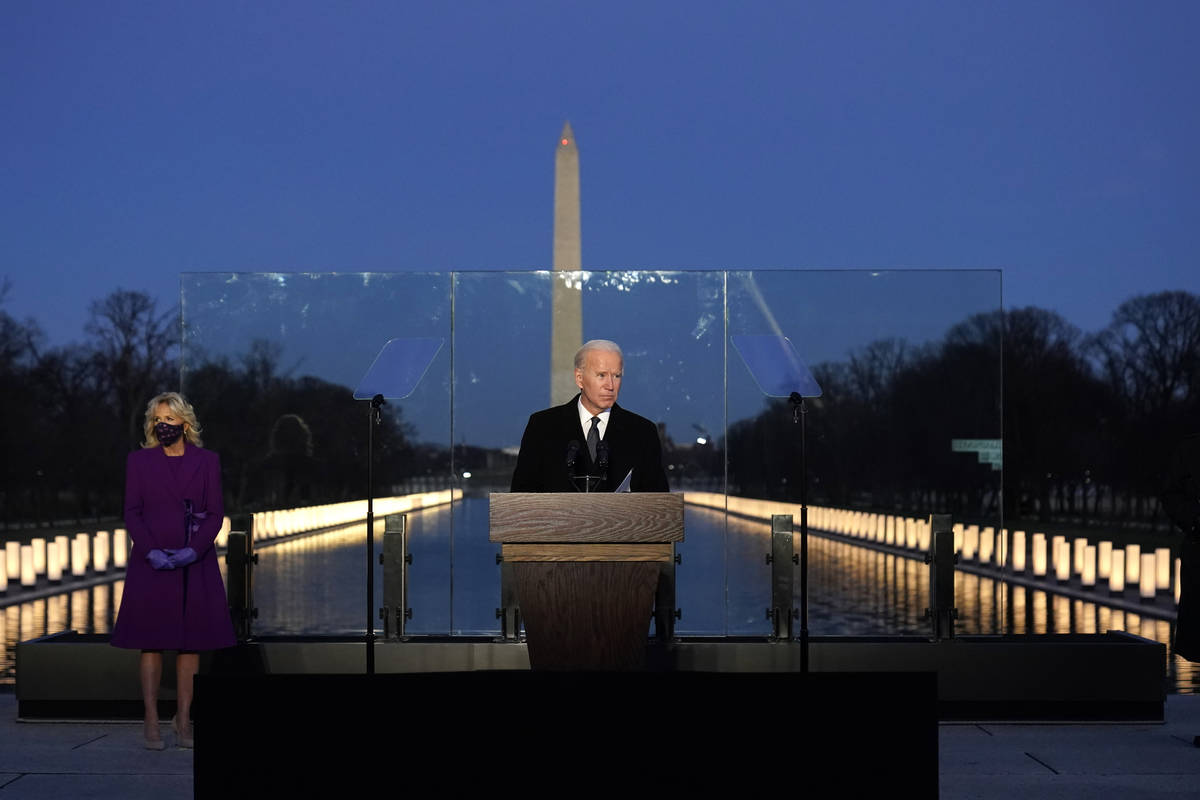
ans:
x=631 y=440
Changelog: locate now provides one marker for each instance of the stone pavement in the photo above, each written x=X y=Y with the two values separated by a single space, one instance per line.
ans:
x=70 y=760
x=61 y=761
x=1066 y=762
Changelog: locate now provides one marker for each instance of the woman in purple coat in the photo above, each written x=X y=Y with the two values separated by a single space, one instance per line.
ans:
x=174 y=598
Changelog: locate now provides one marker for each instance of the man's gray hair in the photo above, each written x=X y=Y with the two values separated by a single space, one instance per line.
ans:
x=597 y=344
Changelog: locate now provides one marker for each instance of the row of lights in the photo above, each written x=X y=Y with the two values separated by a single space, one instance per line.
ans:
x=1092 y=564
x=98 y=552
x=286 y=522
x=75 y=556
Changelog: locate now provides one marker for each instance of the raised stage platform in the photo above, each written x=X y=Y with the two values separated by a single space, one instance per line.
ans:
x=1068 y=677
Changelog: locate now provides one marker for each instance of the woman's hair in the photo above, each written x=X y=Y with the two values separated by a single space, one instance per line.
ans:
x=180 y=408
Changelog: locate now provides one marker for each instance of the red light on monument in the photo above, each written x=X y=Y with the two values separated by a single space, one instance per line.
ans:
x=565 y=142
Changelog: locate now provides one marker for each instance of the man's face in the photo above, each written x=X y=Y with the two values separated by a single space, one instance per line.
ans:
x=599 y=380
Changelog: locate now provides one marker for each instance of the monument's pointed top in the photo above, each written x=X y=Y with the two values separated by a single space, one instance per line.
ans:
x=567 y=137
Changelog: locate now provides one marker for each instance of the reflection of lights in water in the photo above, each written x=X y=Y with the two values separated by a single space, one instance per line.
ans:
x=1084 y=622
x=57 y=612
x=1062 y=614
x=79 y=607
x=100 y=607
x=1040 y=612
x=26 y=618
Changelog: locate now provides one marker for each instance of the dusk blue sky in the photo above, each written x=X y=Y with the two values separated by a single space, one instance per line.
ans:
x=1053 y=140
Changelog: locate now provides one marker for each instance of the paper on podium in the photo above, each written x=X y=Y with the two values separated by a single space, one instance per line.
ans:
x=624 y=487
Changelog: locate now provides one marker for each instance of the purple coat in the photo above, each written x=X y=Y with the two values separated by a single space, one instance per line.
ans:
x=183 y=608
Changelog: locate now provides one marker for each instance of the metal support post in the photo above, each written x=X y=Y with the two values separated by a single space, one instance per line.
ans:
x=941 y=558
x=240 y=559
x=509 y=612
x=395 y=559
x=665 y=612
x=783 y=560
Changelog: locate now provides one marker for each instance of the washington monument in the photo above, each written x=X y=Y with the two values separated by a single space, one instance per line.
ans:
x=566 y=326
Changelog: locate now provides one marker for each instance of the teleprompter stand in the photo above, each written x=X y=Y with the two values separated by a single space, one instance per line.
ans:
x=780 y=372
x=394 y=374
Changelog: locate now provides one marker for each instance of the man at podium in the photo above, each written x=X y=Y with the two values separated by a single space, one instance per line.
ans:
x=591 y=436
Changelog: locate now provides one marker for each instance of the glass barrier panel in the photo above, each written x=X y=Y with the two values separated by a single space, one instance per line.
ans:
x=270 y=361
x=669 y=326
x=909 y=363
x=501 y=362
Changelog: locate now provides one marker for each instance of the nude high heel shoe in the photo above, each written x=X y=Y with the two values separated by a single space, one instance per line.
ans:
x=152 y=744
x=184 y=739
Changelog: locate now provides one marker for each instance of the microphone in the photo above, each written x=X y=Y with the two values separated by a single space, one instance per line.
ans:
x=602 y=457
x=572 y=455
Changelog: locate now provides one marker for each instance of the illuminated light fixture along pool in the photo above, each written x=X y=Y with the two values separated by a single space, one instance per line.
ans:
x=79 y=555
x=39 y=556
x=1133 y=563
x=1162 y=558
x=1039 y=555
x=100 y=543
x=1116 y=577
x=1104 y=560
x=56 y=558
x=28 y=576
x=1146 y=587
x=970 y=545
x=1018 y=543
x=121 y=548
x=1062 y=562
x=986 y=544
x=1087 y=575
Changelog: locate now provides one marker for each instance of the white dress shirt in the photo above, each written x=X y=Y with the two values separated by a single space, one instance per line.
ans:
x=585 y=419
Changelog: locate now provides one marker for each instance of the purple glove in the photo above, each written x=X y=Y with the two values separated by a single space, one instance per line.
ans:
x=159 y=560
x=181 y=557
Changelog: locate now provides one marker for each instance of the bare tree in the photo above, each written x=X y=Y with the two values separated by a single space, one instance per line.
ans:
x=1150 y=352
x=135 y=353
x=873 y=368
x=1150 y=357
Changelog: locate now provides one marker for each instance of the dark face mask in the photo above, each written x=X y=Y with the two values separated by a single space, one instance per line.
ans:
x=168 y=434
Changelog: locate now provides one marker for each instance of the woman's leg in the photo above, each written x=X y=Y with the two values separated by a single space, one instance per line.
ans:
x=186 y=666
x=150 y=669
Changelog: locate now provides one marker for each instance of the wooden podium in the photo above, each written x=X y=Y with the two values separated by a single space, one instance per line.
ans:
x=586 y=568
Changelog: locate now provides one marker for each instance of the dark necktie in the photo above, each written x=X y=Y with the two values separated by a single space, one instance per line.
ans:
x=593 y=437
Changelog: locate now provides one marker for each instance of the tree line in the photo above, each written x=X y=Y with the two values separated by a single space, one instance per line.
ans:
x=1088 y=420
x=69 y=415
